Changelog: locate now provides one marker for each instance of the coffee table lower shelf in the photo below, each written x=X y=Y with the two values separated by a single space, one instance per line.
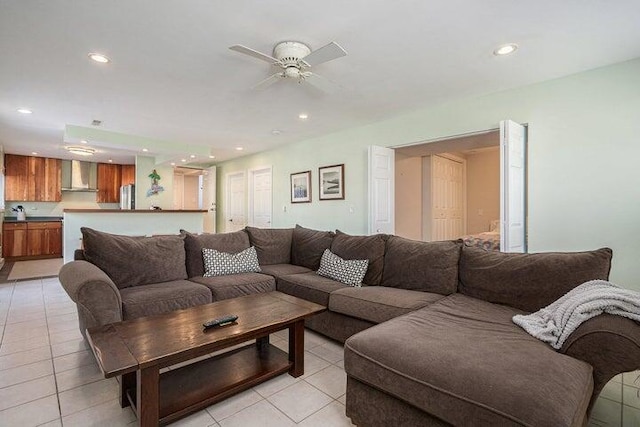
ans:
x=201 y=384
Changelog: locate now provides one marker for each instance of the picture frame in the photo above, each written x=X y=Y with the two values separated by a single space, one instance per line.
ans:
x=331 y=180
x=301 y=187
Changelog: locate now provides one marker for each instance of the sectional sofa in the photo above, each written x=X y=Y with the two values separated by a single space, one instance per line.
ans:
x=428 y=337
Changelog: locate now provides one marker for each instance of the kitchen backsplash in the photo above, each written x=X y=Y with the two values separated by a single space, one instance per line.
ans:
x=70 y=200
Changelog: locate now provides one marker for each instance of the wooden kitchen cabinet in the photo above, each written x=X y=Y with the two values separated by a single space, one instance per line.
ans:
x=109 y=182
x=31 y=240
x=16 y=176
x=44 y=239
x=14 y=239
x=128 y=174
x=32 y=179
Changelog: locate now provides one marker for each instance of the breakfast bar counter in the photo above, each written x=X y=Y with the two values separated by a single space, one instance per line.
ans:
x=136 y=222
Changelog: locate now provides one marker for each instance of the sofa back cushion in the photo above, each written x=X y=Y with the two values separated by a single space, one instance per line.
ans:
x=224 y=242
x=528 y=281
x=132 y=261
x=307 y=246
x=421 y=266
x=362 y=247
x=272 y=244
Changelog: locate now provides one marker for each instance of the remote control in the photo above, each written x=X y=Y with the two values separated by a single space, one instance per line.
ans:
x=220 y=321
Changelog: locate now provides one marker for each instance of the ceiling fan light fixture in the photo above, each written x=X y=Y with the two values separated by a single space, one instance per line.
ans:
x=81 y=151
x=505 y=49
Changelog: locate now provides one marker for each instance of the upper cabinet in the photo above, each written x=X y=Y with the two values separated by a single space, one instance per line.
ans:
x=128 y=174
x=109 y=182
x=34 y=179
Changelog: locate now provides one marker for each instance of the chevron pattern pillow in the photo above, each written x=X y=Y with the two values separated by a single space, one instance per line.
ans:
x=350 y=272
x=218 y=263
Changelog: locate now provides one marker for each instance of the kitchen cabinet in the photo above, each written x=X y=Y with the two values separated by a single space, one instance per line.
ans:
x=32 y=239
x=109 y=182
x=128 y=174
x=14 y=239
x=44 y=238
x=33 y=179
x=16 y=176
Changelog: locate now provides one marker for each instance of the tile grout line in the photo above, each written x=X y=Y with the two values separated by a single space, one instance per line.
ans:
x=55 y=377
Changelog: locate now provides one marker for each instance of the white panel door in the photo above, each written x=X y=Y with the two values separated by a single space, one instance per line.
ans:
x=447 y=199
x=381 y=190
x=260 y=198
x=512 y=187
x=208 y=199
x=236 y=202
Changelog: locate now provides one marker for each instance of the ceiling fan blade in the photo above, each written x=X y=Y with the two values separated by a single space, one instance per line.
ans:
x=326 y=53
x=268 y=81
x=319 y=82
x=254 y=53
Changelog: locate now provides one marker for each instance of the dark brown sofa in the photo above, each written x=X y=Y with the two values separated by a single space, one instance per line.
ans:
x=428 y=338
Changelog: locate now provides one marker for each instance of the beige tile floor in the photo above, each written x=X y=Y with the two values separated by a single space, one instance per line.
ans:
x=48 y=377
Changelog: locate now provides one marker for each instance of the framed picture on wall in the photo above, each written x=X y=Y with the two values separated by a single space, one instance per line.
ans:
x=331 y=182
x=301 y=187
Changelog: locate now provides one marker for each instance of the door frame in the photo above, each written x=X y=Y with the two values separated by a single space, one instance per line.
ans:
x=250 y=208
x=502 y=165
x=227 y=211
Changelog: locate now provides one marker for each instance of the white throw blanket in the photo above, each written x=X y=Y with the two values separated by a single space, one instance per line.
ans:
x=554 y=323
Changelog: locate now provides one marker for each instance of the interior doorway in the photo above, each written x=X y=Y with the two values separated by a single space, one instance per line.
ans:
x=236 y=218
x=457 y=188
x=260 y=197
x=186 y=188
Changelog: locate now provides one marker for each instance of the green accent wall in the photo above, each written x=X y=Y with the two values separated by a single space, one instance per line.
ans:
x=583 y=149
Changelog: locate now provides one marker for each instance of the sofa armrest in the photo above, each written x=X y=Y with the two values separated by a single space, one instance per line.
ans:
x=610 y=344
x=97 y=297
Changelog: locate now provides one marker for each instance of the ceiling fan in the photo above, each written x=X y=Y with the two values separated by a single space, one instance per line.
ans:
x=296 y=59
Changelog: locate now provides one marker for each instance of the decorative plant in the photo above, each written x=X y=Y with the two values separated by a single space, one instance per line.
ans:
x=155 y=187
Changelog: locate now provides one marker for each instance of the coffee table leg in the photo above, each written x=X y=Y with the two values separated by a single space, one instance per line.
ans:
x=127 y=382
x=147 y=396
x=262 y=344
x=296 y=348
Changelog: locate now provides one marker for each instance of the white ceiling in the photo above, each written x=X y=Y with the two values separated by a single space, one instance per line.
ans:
x=174 y=87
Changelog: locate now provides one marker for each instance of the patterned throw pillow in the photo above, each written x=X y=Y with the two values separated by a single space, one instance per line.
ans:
x=350 y=272
x=218 y=263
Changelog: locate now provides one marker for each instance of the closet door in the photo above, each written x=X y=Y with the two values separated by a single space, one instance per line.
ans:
x=447 y=199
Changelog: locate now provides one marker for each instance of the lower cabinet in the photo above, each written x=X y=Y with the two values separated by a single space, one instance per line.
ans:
x=32 y=240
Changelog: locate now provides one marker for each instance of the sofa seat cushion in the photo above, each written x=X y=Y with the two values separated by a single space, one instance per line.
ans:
x=465 y=362
x=279 y=270
x=237 y=285
x=158 y=298
x=309 y=286
x=379 y=303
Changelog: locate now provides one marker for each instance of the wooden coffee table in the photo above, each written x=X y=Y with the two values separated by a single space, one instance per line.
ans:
x=138 y=349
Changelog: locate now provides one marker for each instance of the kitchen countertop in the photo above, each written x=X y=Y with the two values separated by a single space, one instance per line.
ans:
x=33 y=219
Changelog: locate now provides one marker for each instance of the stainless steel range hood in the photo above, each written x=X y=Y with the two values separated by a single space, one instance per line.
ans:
x=79 y=176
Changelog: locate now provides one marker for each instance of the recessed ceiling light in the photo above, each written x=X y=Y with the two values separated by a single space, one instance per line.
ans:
x=84 y=141
x=110 y=161
x=183 y=160
x=212 y=157
x=98 y=57
x=239 y=148
x=505 y=49
x=24 y=111
x=81 y=151
x=303 y=116
x=145 y=149
x=35 y=153
x=276 y=132
x=173 y=163
x=193 y=156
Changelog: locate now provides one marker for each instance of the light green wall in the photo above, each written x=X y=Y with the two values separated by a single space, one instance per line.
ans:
x=144 y=166
x=583 y=144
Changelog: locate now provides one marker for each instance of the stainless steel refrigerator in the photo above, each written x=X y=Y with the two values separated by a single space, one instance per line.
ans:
x=128 y=197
